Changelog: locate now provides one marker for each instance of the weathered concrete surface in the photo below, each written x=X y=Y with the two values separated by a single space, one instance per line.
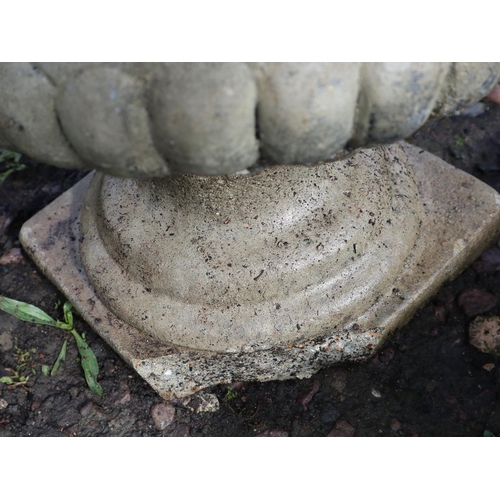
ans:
x=150 y=120
x=240 y=263
x=461 y=217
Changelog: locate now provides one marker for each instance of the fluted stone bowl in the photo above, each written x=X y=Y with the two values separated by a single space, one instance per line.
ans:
x=148 y=120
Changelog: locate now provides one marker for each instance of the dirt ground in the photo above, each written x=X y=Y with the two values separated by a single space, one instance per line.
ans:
x=426 y=381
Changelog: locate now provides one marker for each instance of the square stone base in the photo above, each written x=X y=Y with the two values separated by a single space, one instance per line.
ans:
x=462 y=218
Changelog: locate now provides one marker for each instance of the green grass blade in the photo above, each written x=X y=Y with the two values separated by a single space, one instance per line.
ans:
x=7 y=155
x=60 y=359
x=5 y=174
x=488 y=434
x=14 y=168
x=68 y=314
x=26 y=312
x=89 y=364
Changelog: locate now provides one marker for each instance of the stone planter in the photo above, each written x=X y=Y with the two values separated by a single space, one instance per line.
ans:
x=296 y=252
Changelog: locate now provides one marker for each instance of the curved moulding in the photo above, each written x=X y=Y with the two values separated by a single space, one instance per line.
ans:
x=244 y=263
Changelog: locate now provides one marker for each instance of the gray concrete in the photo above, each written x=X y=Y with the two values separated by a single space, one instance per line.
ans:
x=148 y=120
x=459 y=217
x=239 y=263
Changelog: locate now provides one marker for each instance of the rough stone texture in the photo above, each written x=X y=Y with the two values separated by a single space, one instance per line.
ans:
x=154 y=119
x=201 y=402
x=484 y=334
x=461 y=218
x=239 y=263
x=163 y=415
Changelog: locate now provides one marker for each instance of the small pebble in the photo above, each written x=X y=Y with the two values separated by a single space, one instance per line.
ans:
x=6 y=341
x=473 y=301
x=202 y=402
x=3 y=404
x=123 y=395
x=330 y=414
x=489 y=261
x=484 y=334
x=489 y=366
x=125 y=399
x=13 y=256
x=108 y=368
x=376 y=393
x=395 y=425
x=343 y=429
x=86 y=408
x=163 y=415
